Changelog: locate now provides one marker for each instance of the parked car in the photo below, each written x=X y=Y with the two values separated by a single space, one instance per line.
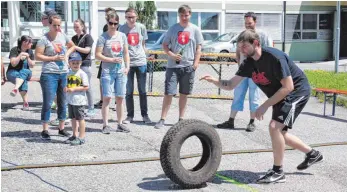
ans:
x=154 y=43
x=225 y=43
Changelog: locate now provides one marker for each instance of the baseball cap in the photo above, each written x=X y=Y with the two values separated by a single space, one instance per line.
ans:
x=75 y=57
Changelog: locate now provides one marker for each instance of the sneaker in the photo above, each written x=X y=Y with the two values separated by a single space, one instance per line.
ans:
x=226 y=124
x=14 y=92
x=160 y=124
x=180 y=119
x=122 y=128
x=272 y=177
x=250 y=127
x=78 y=141
x=54 y=122
x=98 y=105
x=310 y=160
x=54 y=106
x=25 y=107
x=90 y=113
x=146 y=120
x=68 y=141
x=106 y=129
x=63 y=133
x=45 y=135
x=128 y=120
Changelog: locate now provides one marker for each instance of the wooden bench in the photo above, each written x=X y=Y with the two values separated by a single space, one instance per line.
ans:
x=330 y=93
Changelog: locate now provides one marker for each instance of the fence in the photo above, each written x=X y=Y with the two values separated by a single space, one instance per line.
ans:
x=220 y=65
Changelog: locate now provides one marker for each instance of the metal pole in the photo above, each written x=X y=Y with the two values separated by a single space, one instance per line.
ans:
x=284 y=26
x=90 y=16
x=78 y=10
x=66 y=4
x=337 y=39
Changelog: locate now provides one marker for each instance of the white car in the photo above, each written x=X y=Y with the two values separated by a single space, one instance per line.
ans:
x=225 y=43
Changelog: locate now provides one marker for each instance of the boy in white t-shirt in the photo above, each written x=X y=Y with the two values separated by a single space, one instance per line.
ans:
x=77 y=85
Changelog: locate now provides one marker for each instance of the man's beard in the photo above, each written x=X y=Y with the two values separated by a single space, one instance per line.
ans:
x=251 y=54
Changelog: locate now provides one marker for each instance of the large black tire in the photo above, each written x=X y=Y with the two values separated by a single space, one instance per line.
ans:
x=171 y=147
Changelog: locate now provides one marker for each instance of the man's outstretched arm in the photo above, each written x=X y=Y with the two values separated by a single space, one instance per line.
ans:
x=224 y=84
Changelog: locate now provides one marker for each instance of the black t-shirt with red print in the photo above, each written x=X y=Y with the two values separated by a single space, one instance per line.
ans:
x=270 y=69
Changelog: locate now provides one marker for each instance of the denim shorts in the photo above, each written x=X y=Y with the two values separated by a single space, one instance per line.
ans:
x=113 y=84
x=240 y=94
x=183 y=76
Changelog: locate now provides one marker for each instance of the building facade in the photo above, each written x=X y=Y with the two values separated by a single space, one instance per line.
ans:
x=306 y=33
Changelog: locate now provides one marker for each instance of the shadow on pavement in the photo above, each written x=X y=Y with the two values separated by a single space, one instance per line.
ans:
x=245 y=177
x=30 y=172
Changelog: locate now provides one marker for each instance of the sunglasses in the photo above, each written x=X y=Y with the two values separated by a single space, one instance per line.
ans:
x=44 y=18
x=130 y=17
x=110 y=23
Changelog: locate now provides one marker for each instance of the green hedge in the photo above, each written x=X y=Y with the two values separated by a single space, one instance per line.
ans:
x=328 y=80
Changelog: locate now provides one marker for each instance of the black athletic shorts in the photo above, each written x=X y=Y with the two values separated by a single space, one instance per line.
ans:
x=287 y=110
x=76 y=112
x=99 y=72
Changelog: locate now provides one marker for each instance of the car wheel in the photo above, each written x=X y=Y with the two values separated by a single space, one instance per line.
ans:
x=224 y=59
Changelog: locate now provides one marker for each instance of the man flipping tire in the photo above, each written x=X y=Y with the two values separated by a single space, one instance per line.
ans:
x=288 y=91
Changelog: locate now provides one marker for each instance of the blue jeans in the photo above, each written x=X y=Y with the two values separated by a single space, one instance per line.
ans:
x=113 y=84
x=240 y=94
x=53 y=85
x=24 y=74
x=141 y=74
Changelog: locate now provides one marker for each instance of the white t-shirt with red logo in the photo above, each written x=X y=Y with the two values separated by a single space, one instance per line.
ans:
x=112 y=47
x=136 y=36
x=188 y=38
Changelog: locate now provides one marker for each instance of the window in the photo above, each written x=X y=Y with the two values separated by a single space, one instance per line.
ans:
x=209 y=36
x=5 y=35
x=166 y=19
x=30 y=11
x=81 y=8
x=58 y=6
x=209 y=21
x=271 y=23
x=309 y=26
x=195 y=18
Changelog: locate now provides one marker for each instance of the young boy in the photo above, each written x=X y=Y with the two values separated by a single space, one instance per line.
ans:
x=77 y=85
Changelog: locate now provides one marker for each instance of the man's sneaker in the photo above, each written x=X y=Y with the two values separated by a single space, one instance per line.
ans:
x=54 y=106
x=90 y=113
x=310 y=160
x=106 y=129
x=68 y=141
x=250 y=127
x=63 y=133
x=122 y=128
x=45 y=135
x=98 y=105
x=78 y=141
x=14 y=92
x=272 y=177
x=128 y=120
x=26 y=107
x=160 y=124
x=146 y=120
x=226 y=124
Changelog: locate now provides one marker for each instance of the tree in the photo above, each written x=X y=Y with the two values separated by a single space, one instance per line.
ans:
x=146 y=12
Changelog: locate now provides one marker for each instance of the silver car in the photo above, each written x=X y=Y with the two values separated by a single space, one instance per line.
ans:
x=223 y=44
x=154 y=43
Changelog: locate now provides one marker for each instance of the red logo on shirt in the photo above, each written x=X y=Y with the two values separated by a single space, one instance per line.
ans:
x=116 y=47
x=259 y=78
x=58 y=47
x=183 y=37
x=133 y=39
